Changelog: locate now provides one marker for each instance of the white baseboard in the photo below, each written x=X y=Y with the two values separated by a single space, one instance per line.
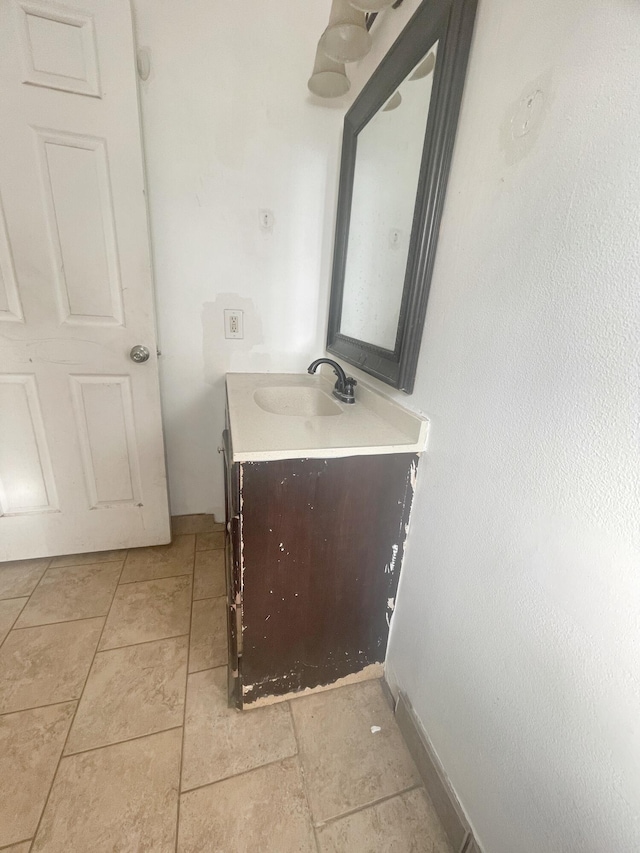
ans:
x=434 y=778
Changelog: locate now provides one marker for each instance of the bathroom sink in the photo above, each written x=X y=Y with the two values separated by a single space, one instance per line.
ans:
x=292 y=416
x=296 y=401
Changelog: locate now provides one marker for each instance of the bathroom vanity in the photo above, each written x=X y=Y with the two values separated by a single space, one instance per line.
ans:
x=318 y=497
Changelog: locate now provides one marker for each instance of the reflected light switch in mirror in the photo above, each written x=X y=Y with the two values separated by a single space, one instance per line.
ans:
x=395 y=238
x=266 y=219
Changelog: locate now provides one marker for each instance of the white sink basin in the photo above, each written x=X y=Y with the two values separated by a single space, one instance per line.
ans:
x=296 y=401
x=291 y=416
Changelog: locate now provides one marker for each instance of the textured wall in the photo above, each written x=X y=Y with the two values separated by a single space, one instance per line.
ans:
x=229 y=129
x=517 y=629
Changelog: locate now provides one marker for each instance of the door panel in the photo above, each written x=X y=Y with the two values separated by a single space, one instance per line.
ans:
x=26 y=476
x=105 y=421
x=10 y=307
x=58 y=48
x=81 y=449
x=80 y=220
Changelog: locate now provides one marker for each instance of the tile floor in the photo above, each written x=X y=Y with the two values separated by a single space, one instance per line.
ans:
x=115 y=733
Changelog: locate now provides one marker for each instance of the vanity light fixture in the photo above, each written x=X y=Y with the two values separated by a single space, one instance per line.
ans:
x=425 y=68
x=393 y=103
x=371 y=5
x=329 y=79
x=372 y=13
x=346 y=38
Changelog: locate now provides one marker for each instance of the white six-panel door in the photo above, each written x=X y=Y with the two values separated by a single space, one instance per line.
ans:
x=81 y=449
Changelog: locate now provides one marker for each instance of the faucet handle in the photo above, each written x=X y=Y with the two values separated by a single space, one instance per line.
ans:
x=348 y=395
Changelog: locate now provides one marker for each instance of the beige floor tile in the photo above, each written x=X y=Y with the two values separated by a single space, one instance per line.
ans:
x=208 y=634
x=119 y=798
x=199 y=523
x=209 y=577
x=9 y=612
x=210 y=541
x=406 y=823
x=160 y=561
x=30 y=746
x=47 y=664
x=265 y=810
x=130 y=692
x=345 y=764
x=150 y=610
x=20 y=577
x=220 y=741
x=90 y=558
x=71 y=592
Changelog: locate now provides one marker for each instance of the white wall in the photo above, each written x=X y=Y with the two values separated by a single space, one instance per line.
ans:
x=229 y=128
x=517 y=629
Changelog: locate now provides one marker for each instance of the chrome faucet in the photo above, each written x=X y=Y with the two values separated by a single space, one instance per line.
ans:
x=343 y=389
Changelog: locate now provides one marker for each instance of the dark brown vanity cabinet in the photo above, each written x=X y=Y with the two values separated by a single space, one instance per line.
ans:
x=314 y=549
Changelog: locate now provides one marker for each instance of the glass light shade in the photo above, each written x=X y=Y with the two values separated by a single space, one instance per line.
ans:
x=329 y=79
x=370 y=5
x=425 y=68
x=393 y=103
x=346 y=39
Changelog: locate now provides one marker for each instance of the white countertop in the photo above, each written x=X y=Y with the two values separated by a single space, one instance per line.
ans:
x=372 y=425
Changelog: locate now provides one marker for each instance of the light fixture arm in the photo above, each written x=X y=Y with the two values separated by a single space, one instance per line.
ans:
x=371 y=16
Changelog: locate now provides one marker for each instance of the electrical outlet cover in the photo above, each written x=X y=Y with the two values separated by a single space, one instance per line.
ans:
x=233 y=323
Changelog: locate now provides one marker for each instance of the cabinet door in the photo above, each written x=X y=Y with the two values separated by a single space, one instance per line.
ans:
x=232 y=566
x=234 y=613
x=322 y=547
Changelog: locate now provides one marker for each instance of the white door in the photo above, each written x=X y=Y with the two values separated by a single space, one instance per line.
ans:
x=81 y=449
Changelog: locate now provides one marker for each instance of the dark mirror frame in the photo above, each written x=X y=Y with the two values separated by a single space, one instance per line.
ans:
x=450 y=22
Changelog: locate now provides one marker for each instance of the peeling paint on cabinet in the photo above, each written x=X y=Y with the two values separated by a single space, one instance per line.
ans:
x=317 y=565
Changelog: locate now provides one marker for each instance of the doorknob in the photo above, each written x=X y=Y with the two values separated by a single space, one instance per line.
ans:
x=139 y=354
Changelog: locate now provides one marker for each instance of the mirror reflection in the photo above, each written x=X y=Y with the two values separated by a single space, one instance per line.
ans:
x=388 y=157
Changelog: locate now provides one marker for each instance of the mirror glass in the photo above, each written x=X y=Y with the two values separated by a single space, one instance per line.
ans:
x=387 y=165
x=396 y=153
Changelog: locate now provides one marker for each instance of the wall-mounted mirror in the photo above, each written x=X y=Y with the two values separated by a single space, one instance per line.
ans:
x=396 y=151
